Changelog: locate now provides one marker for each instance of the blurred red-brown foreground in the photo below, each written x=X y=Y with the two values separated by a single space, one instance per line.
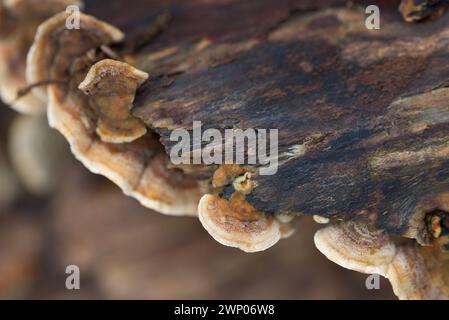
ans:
x=126 y=251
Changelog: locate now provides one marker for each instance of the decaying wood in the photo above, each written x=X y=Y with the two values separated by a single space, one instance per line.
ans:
x=361 y=114
x=368 y=107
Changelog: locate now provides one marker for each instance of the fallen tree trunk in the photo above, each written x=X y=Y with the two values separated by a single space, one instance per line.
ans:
x=366 y=108
x=361 y=114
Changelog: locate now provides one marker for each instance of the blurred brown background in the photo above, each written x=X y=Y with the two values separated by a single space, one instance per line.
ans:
x=54 y=213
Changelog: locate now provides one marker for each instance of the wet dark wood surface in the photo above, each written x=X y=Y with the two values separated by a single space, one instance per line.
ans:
x=330 y=85
x=194 y=19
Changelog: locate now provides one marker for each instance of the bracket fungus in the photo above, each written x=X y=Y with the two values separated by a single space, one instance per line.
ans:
x=356 y=246
x=236 y=223
x=362 y=118
x=19 y=20
x=414 y=271
x=112 y=86
x=123 y=153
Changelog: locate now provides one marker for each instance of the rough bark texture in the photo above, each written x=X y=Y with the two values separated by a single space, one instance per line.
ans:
x=362 y=114
x=368 y=106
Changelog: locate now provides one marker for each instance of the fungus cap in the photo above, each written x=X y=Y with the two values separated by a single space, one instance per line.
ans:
x=235 y=223
x=356 y=246
x=138 y=167
x=19 y=20
x=113 y=84
x=414 y=271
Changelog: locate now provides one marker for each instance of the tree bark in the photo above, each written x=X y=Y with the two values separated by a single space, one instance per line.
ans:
x=368 y=106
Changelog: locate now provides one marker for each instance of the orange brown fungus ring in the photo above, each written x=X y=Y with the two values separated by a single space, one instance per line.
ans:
x=414 y=271
x=19 y=20
x=138 y=166
x=237 y=224
x=111 y=86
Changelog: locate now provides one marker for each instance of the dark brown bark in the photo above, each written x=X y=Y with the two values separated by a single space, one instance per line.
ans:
x=368 y=105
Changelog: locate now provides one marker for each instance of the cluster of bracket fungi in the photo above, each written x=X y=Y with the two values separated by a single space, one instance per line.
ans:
x=88 y=81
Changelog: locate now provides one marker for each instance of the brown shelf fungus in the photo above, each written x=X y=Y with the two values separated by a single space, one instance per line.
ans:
x=235 y=223
x=356 y=246
x=19 y=20
x=123 y=152
x=112 y=86
x=414 y=271
x=362 y=119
